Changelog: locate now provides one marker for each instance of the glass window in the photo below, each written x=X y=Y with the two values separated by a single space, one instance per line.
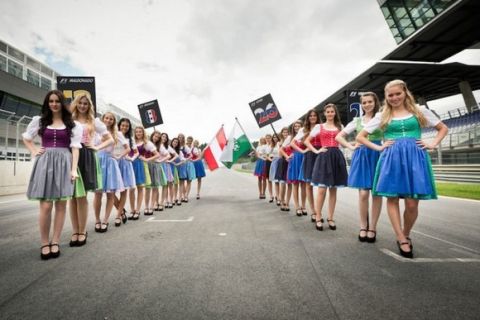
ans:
x=16 y=54
x=33 y=77
x=46 y=70
x=409 y=31
x=46 y=83
x=3 y=63
x=3 y=46
x=15 y=69
x=34 y=64
x=10 y=103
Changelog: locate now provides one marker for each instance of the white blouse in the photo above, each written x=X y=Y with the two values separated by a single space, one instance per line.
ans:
x=432 y=119
x=34 y=125
x=121 y=144
x=299 y=136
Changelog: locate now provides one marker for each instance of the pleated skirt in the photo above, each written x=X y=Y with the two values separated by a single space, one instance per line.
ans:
x=199 y=168
x=295 y=169
x=405 y=170
x=112 y=180
x=330 y=169
x=126 y=170
x=191 y=175
x=273 y=169
x=50 y=179
x=362 y=168
x=260 y=168
x=308 y=163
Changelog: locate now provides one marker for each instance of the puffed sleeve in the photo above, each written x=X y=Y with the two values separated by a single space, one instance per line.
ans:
x=100 y=127
x=299 y=135
x=374 y=123
x=76 y=139
x=315 y=130
x=32 y=129
x=430 y=116
x=149 y=146
x=121 y=139
x=287 y=141
x=351 y=126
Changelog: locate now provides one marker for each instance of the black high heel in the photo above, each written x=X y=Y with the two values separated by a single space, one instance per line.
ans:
x=374 y=238
x=313 y=217
x=363 y=239
x=318 y=226
x=74 y=243
x=136 y=215
x=304 y=211
x=55 y=254
x=124 y=216
x=118 y=222
x=98 y=229
x=103 y=230
x=84 y=241
x=332 y=225
x=405 y=254
x=45 y=256
x=411 y=243
x=299 y=212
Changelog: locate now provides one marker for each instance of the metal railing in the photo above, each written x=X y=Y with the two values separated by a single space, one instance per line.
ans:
x=457 y=173
x=11 y=128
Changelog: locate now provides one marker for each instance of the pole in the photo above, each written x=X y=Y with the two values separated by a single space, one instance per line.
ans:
x=251 y=145
x=275 y=132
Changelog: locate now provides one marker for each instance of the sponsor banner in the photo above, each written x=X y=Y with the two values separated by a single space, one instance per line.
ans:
x=265 y=111
x=73 y=86
x=150 y=114
x=354 y=108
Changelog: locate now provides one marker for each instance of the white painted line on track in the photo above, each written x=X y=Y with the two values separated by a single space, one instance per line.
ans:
x=24 y=199
x=222 y=234
x=446 y=241
x=463 y=199
x=152 y=219
x=427 y=260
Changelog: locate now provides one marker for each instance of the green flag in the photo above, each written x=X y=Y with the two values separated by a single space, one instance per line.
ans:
x=237 y=145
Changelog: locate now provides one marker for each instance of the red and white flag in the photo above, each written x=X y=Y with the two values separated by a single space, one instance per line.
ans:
x=214 y=150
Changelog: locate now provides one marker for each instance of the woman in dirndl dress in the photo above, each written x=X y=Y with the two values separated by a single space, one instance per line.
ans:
x=157 y=176
x=362 y=168
x=268 y=163
x=404 y=169
x=124 y=160
x=175 y=160
x=197 y=159
x=295 y=169
x=330 y=168
x=285 y=152
x=274 y=157
x=191 y=174
x=178 y=168
x=90 y=178
x=167 y=170
x=61 y=140
x=140 y=167
x=260 y=167
x=112 y=180
x=182 y=170
x=309 y=158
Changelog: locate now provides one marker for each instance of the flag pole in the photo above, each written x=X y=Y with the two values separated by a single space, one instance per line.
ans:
x=274 y=132
x=251 y=145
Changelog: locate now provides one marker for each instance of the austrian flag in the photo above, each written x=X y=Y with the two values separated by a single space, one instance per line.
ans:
x=214 y=150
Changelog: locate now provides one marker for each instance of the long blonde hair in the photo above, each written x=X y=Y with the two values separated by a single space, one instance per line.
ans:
x=90 y=113
x=144 y=139
x=113 y=128
x=410 y=105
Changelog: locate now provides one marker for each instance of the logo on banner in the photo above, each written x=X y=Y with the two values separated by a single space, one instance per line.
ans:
x=265 y=110
x=71 y=87
x=150 y=114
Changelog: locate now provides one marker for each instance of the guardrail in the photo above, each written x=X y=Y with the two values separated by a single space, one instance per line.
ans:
x=458 y=173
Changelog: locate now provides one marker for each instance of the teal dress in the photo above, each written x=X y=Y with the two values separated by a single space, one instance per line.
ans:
x=404 y=169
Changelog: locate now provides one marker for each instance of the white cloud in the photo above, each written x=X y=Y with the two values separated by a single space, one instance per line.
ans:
x=205 y=60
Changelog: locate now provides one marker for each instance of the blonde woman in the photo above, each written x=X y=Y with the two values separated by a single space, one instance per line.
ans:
x=142 y=175
x=90 y=173
x=111 y=176
x=404 y=169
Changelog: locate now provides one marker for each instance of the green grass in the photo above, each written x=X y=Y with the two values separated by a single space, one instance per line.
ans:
x=459 y=190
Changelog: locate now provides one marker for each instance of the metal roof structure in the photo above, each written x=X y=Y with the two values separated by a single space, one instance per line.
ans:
x=454 y=30
x=427 y=80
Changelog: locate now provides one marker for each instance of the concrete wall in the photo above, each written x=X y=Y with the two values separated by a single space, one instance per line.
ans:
x=14 y=176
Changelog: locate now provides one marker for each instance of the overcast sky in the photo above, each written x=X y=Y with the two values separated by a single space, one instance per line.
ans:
x=206 y=60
